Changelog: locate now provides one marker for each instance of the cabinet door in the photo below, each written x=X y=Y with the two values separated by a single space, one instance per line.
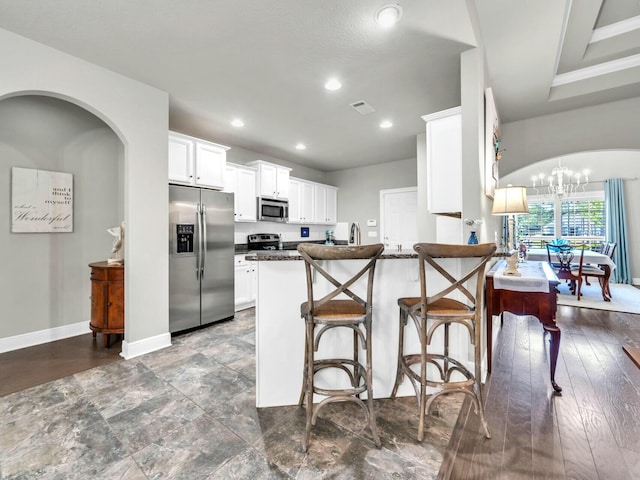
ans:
x=307 y=203
x=230 y=179
x=444 y=163
x=254 y=281
x=242 y=283
x=245 y=196
x=320 y=199
x=331 y=205
x=268 y=179
x=282 y=183
x=99 y=295
x=115 y=305
x=180 y=160
x=295 y=207
x=210 y=165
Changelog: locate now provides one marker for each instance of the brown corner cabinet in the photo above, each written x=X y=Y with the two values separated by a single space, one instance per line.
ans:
x=107 y=300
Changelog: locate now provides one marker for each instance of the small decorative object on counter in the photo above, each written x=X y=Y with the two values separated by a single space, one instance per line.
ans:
x=280 y=245
x=329 y=237
x=522 y=251
x=512 y=266
x=473 y=239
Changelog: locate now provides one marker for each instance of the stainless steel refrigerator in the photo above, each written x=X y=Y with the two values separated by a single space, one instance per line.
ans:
x=200 y=257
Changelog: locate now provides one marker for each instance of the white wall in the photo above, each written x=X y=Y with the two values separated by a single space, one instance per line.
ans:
x=138 y=114
x=49 y=134
x=611 y=126
x=359 y=191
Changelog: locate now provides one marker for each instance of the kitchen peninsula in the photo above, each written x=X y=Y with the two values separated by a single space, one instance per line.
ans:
x=280 y=329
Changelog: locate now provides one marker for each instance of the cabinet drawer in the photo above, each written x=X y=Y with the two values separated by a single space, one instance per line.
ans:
x=109 y=273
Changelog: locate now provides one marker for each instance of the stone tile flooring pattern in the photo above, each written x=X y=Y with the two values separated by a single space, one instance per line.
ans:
x=188 y=412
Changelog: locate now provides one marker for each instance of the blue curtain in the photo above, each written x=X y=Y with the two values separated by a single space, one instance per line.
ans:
x=617 y=229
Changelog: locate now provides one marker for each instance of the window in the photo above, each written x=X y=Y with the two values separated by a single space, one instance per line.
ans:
x=580 y=217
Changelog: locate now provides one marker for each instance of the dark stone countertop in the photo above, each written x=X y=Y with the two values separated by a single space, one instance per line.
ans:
x=285 y=255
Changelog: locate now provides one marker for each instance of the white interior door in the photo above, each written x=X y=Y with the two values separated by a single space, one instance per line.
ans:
x=399 y=217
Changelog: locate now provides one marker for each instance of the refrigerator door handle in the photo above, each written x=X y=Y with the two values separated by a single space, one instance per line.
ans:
x=204 y=239
x=199 y=246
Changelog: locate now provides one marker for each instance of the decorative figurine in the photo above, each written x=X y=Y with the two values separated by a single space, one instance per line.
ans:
x=522 y=249
x=512 y=266
x=117 y=251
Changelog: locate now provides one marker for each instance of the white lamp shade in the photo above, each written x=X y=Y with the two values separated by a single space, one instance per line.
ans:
x=510 y=200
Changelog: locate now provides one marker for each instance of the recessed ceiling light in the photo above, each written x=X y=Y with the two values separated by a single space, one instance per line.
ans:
x=301 y=146
x=388 y=15
x=386 y=124
x=332 y=84
x=236 y=122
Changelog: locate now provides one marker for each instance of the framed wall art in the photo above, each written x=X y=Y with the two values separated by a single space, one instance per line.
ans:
x=41 y=201
x=493 y=151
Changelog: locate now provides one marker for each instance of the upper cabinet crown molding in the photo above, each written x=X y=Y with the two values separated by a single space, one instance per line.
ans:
x=197 y=162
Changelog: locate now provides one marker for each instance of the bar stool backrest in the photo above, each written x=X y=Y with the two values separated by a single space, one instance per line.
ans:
x=429 y=252
x=314 y=253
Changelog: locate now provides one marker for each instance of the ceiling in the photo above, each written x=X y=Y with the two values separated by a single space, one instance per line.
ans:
x=266 y=61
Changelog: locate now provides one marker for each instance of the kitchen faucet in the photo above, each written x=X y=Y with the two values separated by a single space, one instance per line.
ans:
x=355 y=234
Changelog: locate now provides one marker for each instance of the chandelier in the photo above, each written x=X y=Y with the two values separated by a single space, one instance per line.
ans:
x=563 y=182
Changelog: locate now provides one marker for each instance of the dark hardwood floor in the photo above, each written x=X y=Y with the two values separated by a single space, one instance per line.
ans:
x=590 y=431
x=27 y=367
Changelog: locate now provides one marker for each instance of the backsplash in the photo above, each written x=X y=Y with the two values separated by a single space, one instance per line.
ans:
x=288 y=232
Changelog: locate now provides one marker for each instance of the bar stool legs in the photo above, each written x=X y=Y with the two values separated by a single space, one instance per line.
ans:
x=328 y=313
x=435 y=313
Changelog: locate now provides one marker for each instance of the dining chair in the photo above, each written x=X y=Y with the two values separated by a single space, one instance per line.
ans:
x=608 y=249
x=560 y=258
x=584 y=270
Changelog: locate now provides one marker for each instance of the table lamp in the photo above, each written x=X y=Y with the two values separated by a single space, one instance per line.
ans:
x=510 y=201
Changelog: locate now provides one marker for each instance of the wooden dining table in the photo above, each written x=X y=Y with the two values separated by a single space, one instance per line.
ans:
x=594 y=258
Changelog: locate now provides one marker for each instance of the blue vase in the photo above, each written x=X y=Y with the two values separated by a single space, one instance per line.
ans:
x=473 y=240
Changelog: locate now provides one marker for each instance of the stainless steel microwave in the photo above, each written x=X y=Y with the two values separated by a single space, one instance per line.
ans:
x=270 y=210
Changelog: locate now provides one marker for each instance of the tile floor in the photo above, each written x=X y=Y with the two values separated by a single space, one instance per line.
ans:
x=188 y=411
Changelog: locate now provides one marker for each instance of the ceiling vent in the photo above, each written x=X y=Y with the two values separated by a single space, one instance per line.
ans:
x=362 y=107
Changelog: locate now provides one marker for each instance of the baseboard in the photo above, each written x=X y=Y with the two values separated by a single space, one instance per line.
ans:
x=43 y=336
x=635 y=281
x=147 y=345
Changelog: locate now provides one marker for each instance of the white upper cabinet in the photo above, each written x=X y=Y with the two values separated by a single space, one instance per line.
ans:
x=326 y=199
x=196 y=162
x=312 y=203
x=273 y=180
x=241 y=181
x=301 y=202
x=181 y=164
x=444 y=161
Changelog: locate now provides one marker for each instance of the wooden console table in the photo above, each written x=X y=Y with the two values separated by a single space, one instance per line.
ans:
x=540 y=304
x=107 y=300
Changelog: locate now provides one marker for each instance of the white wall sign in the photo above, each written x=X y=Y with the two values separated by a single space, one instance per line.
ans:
x=41 y=201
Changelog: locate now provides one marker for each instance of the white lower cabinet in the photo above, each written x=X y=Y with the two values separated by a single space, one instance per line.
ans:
x=245 y=282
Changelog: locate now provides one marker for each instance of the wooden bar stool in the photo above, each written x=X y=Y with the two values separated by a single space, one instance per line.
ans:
x=433 y=310
x=329 y=312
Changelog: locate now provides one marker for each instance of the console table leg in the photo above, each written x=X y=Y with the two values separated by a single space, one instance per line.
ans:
x=554 y=349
